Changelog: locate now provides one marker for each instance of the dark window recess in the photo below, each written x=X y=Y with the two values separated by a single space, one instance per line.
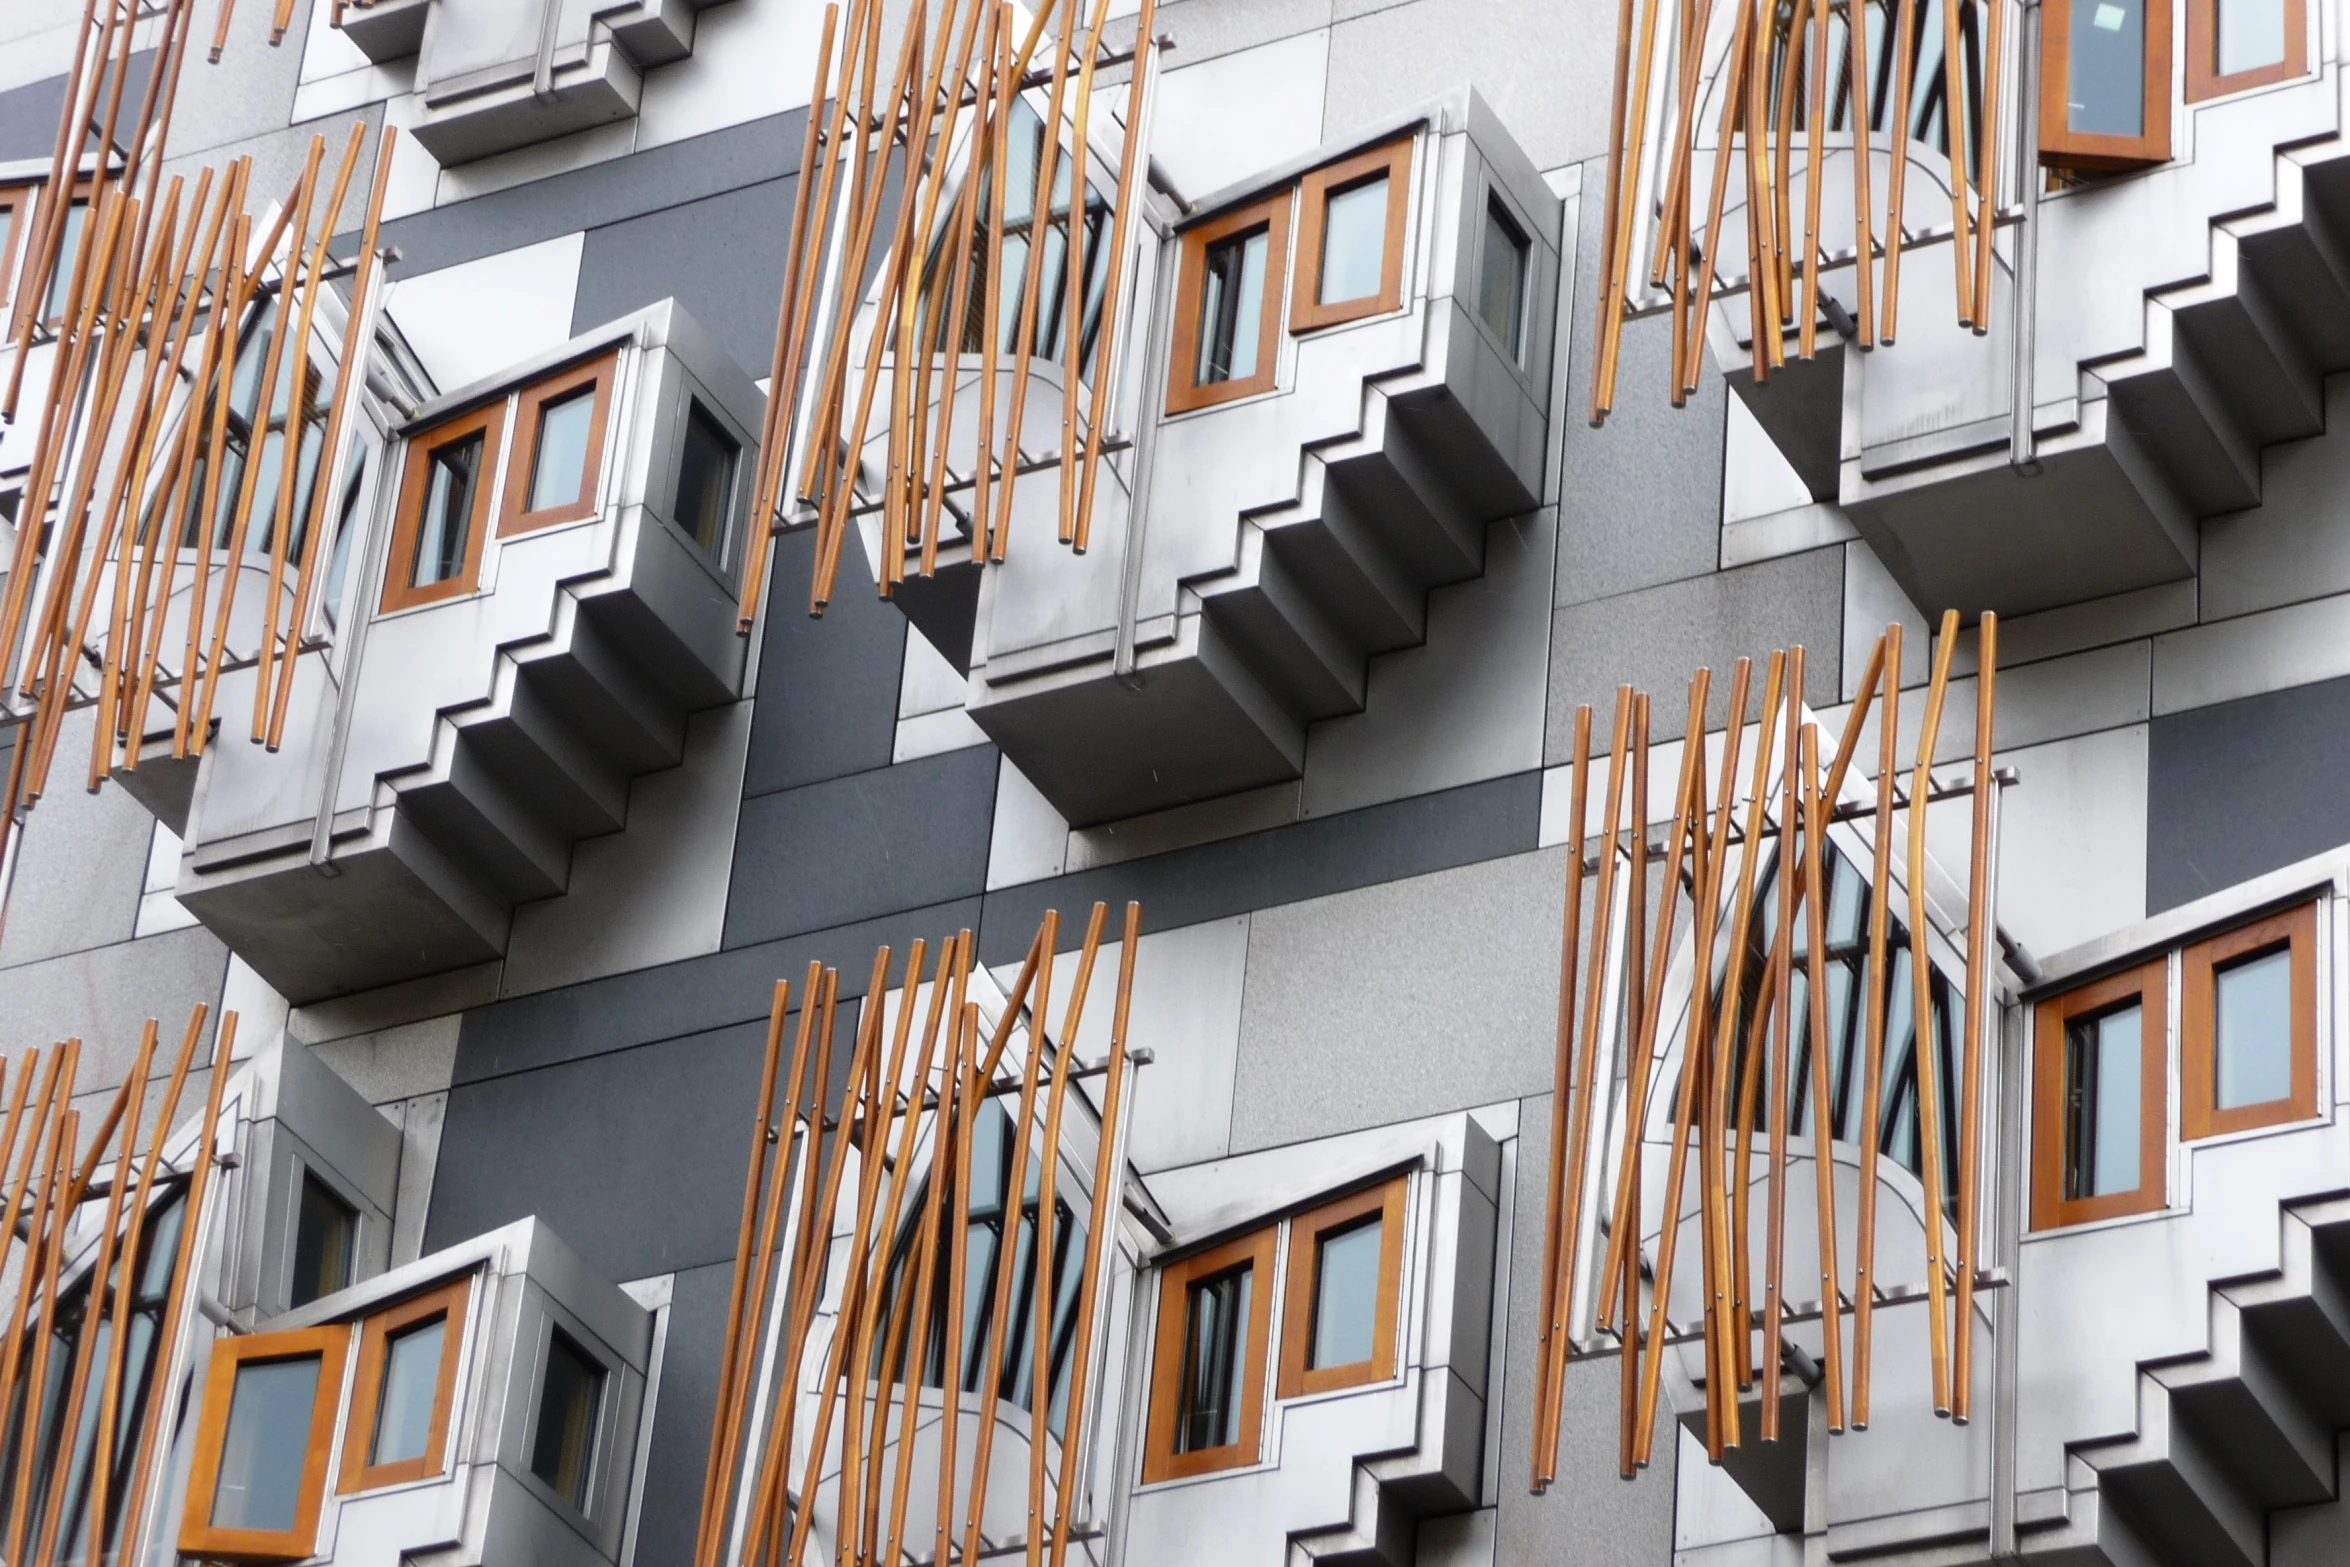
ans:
x=326 y=1230
x=1501 y=282
x=705 y=482
x=445 y=533
x=338 y=566
x=1231 y=310
x=2102 y=1087
x=1215 y=1358
x=563 y=1447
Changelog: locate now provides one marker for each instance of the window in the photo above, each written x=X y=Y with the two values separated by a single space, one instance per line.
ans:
x=1501 y=279
x=705 y=481
x=2236 y=44
x=1351 y=238
x=1228 y=308
x=2105 y=84
x=1345 y=1281
x=2099 y=1082
x=16 y=214
x=444 y=510
x=261 y=1446
x=558 y=457
x=326 y=1230
x=2248 y=1026
x=399 y=1427
x=563 y=1442
x=1208 y=1374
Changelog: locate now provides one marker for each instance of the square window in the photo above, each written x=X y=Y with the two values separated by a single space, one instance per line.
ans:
x=2233 y=45
x=1501 y=279
x=259 y=1473
x=563 y=1440
x=1208 y=1370
x=443 y=520
x=2248 y=1026
x=1228 y=306
x=326 y=1235
x=706 y=462
x=1345 y=1281
x=558 y=463
x=2105 y=84
x=2100 y=1101
x=403 y=1405
x=1351 y=240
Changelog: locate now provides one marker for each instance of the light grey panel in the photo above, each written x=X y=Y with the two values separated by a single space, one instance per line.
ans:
x=2293 y=545
x=1657 y=639
x=278 y=155
x=249 y=93
x=1204 y=29
x=104 y=997
x=1544 y=67
x=81 y=867
x=1401 y=999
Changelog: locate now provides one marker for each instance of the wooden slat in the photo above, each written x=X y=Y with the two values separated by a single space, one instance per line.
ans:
x=1553 y=1327
x=1924 y=1055
x=1786 y=881
x=1978 y=989
x=1816 y=816
x=1873 y=1001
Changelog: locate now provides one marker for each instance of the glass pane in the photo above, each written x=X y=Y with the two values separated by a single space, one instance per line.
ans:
x=403 y=1409
x=1354 y=242
x=2251 y=35
x=1232 y=309
x=1501 y=286
x=7 y=232
x=564 y=1443
x=1346 y=1296
x=323 y=1233
x=2102 y=1091
x=1215 y=1359
x=705 y=481
x=443 y=536
x=268 y=1435
x=2107 y=94
x=558 y=467
x=61 y=281
x=2252 y=1025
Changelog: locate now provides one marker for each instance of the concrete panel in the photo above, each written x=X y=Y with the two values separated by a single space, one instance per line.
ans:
x=2239 y=788
x=2072 y=839
x=1656 y=639
x=1205 y=29
x=474 y=319
x=751 y=59
x=624 y=1151
x=671 y=1505
x=1029 y=840
x=2245 y=657
x=399 y=1063
x=1428 y=994
x=1873 y=601
x=2293 y=545
x=1308 y=859
x=827 y=687
x=1554 y=97
x=1757 y=478
x=81 y=867
x=249 y=93
x=278 y=154
x=105 y=996
x=857 y=847
x=697 y=252
x=1219 y=121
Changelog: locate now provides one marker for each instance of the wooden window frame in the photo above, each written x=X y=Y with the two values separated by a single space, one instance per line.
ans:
x=2148 y=984
x=600 y=372
x=448 y=1302
x=2199 y=1117
x=198 y=1538
x=1298 y=1379
x=23 y=201
x=490 y=422
x=2203 y=78
x=1184 y=393
x=2062 y=148
x=1306 y=312
x=1160 y=1460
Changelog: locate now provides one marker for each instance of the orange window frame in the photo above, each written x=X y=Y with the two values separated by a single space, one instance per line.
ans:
x=1299 y=1379
x=2148 y=985
x=1184 y=393
x=490 y=423
x=21 y=202
x=2061 y=147
x=2294 y=929
x=449 y=1303
x=198 y=1538
x=512 y=519
x=1160 y=1460
x=1306 y=312
x=2203 y=77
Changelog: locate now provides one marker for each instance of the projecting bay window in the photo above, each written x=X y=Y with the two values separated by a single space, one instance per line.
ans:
x=444 y=510
x=261 y=1448
x=1345 y=1272
x=1208 y=1372
x=1351 y=238
x=558 y=460
x=2233 y=45
x=2100 y=1069
x=403 y=1403
x=2105 y=83
x=1228 y=309
x=2248 y=1027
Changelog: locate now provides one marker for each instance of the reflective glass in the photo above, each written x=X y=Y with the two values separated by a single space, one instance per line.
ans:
x=1346 y=1296
x=1501 y=284
x=1215 y=1359
x=563 y=1446
x=558 y=466
x=2252 y=1027
x=1231 y=309
x=1354 y=242
x=61 y=281
x=268 y=1436
x=403 y=1408
x=2251 y=35
x=705 y=481
x=2107 y=94
x=2102 y=1089
x=444 y=534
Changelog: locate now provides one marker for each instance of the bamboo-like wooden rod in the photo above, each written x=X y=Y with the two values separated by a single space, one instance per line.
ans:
x=1815 y=173
x=1978 y=988
x=967 y=1097
x=55 y=1099
x=1733 y=984
x=1787 y=883
x=1823 y=1104
x=49 y=1243
x=1722 y=1430
x=1047 y=1276
x=1873 y=1003
x=1612 y=235
x=1858 y=105
x=1105 y=357
x=1925 y=1052
x=1622 y=1292
x=1897 y=176
x=1558 y=1241
x=1954 y=119
x=1073 y=272
x=1014 y=1000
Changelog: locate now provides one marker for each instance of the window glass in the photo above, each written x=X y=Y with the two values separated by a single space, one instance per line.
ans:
x=1346 y=1295
x=323 y=1235
x=261 y=1458
x=2102 y=1086
x=1354 y=242
x=558 y=466
x=1231 y=308
x=2107 y=93
x=705 y=481
x=412 y=1376
x=563 y=1445
x=2252 y=1019
x=338 y=565
x=445 y=532
x=7 y=233
x=1501 y=283
x=61 y=281
x=1215 y=1358
x=2251 y=36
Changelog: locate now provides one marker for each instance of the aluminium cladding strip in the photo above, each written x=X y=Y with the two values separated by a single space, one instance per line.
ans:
x=1722 y=1091
x=903 y=1226
x=1777 y=63
x=855 y=136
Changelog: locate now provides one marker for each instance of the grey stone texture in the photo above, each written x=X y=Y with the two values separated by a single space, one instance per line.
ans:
x=828 y=688
x=104 y=997
x=81 y=865
x=1545 y=68
x=721 y=256
x=2239 y=788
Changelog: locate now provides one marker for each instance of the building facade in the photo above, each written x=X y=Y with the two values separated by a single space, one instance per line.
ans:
x=714 y=697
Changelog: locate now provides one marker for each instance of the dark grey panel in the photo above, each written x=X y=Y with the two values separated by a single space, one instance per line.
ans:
x=854 y=848
x=699 y=994
x=29 y=114
x=688 y=1397
x=1306 y=859
x=828 y=689
x=1640 y=499
x=721 y=256
x=1657 y=638
x=2244 y=787
x=610 y=192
